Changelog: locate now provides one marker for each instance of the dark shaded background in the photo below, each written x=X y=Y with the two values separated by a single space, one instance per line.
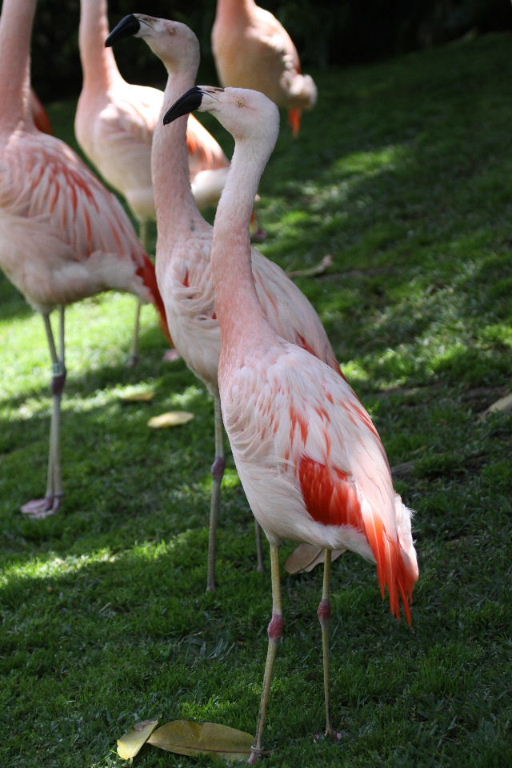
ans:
x=327 y=33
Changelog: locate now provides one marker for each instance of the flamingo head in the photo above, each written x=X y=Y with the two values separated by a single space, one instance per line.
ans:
x=174 y=43
x=245 y=113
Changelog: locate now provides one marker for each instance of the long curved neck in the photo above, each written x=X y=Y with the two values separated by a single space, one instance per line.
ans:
x=176 y=209
x=15 y=36
x=230 y=10
x=238 y=309
x=98 y=63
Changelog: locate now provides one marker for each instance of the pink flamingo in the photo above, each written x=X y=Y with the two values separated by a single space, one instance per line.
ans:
x=63 y=235
x=184 y=242
x=308 y=454
x=252 y=49
x=114 y=126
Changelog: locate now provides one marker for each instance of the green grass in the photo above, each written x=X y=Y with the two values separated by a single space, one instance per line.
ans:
x=403 y=175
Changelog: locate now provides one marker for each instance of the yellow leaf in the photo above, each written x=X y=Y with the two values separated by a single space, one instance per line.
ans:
x=170 y=419
x=132 y=742
x=186 y=737
x=137 y=397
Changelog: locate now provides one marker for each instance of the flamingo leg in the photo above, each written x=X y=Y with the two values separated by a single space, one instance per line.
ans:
x=324 y=616
x=218 y=467
x=260 y=562
x=40 y=508
x=275 y=632
x=135 y=355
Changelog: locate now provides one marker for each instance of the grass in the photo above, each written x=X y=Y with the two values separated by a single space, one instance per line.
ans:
x=403 y=175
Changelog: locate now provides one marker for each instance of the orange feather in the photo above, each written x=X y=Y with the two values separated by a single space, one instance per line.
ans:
x=331 y=498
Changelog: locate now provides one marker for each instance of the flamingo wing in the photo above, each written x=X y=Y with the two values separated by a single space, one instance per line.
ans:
x=47 y=181
x=304 y=421
x=289 y=311
x=275 y=39
x=136 y=112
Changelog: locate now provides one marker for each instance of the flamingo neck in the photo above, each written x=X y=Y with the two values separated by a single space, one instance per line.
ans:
x=240 y=315
x=176 y=209
x=98 y=63
x=231 y=10
x=15 y=36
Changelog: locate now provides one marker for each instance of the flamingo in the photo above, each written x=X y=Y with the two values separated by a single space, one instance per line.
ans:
x=184 y=242
x=308 y=454
x=252 y=49
x=114 y=126
x=63 y=235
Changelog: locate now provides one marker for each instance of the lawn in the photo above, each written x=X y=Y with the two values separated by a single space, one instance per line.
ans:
x=403 y=175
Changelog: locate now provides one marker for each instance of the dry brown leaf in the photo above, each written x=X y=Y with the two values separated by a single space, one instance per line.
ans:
x=186 y=737
x=170 y=419
x=132 y=742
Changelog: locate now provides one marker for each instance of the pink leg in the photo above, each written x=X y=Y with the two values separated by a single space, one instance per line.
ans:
x=135 y=354
x=275 y=632
x=218 y=468
x=50 y=504
x=324 y=616
x=260 y=561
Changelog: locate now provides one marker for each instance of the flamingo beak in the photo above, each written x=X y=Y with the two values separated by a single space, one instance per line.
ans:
x=127 y=27
x=187 y=103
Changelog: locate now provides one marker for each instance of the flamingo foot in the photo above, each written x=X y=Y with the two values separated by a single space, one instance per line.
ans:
x=254 y=756
x=38 y=509
x=330 y=733
x=171 y=355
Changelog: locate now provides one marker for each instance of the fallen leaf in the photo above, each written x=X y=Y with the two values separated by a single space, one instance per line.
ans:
x=132 y=742
x=137 y=397
x=170 y=419
x=317 y=269
x=503 y=404
x=305 y=557
x=186 y=737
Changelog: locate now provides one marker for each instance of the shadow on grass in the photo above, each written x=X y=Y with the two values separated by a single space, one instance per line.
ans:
x=12 y=302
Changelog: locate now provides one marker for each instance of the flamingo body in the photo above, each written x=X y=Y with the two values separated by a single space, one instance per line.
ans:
x=115 y=122
x=253 y=50
x=186 y=284
x=311 y=462
x=63 y=235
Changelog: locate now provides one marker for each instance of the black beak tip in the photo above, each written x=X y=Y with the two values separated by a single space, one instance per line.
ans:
x=187 y=103
x=127 y=27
